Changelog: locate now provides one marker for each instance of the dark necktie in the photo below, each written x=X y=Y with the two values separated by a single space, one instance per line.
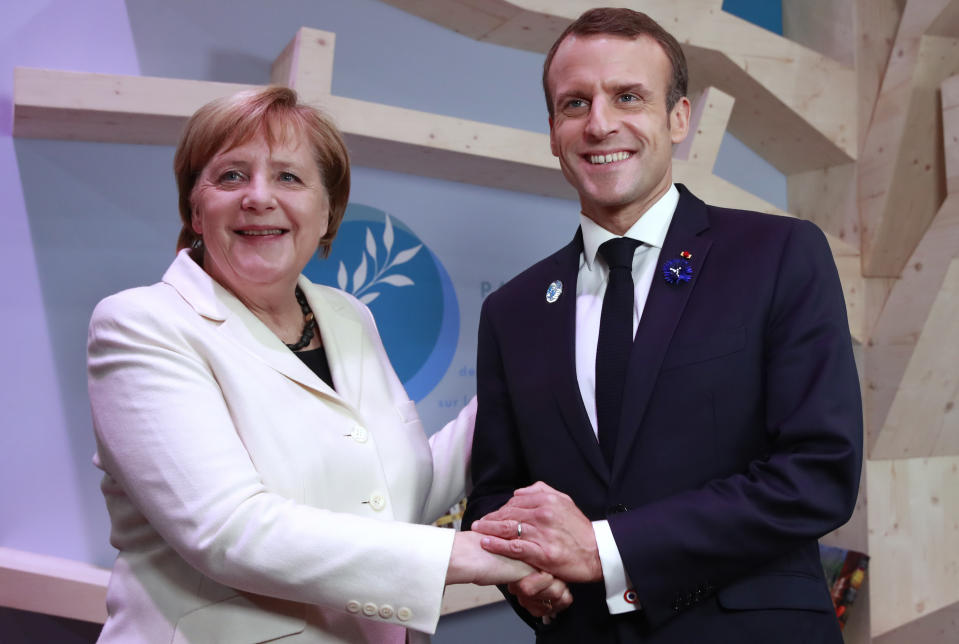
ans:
x=615 y=340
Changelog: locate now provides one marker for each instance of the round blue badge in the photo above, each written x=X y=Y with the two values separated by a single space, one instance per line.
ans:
x=379 y=260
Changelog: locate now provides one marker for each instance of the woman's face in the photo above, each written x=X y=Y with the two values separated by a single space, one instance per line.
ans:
x=261 y=212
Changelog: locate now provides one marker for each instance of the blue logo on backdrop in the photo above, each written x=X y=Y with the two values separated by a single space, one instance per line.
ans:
x=378 y=259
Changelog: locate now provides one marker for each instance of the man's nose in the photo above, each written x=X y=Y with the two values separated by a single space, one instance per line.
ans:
x=601 y=121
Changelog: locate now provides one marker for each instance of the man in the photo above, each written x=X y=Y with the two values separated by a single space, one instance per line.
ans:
x=676 y=463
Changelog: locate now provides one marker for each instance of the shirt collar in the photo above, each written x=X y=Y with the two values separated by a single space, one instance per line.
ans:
x=650 y=228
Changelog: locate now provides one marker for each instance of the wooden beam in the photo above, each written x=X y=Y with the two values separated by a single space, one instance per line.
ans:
x=75 y=106
x=460 y=597
x=825 y=26
x=53 y=586
x=906 y=310
x=924 y=417
x=306 y=64
x=876 y=24
x=76 y=590
x=794 y=107
x=938 y=626
x=913 y=532
x=901 y=172
x=707 y=125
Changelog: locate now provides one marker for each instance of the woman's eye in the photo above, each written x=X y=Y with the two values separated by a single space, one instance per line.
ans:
x=288 y=177
x=230 y=176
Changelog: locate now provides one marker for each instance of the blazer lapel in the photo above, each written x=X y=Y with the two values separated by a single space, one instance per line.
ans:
x=664 y=307
x=238 y=323
x=343 y=339
x=559 y=335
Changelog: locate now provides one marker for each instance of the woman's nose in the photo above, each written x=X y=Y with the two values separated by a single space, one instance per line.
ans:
x=259 y=196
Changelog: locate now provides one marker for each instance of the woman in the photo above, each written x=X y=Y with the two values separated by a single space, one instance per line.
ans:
x=264 y=467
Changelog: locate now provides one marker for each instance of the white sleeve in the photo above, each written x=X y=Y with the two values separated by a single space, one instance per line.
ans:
x=620 y=596
x=451 y=448
x=165 y=435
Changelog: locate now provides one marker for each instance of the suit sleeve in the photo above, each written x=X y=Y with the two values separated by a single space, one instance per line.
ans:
x=165 y=436
x=806 y=483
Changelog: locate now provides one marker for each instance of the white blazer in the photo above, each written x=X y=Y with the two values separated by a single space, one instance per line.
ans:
x=249 y=501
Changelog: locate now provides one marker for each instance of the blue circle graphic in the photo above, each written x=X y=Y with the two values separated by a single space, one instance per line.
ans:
x=378 y=259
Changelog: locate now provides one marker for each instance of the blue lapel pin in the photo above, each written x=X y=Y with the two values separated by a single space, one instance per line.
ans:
x=554 y=291
x=679 y=270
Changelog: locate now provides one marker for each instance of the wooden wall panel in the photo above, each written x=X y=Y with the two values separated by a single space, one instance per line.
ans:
x=901 y=170
x=906 y=309
x=913 y=532
x=795 y=106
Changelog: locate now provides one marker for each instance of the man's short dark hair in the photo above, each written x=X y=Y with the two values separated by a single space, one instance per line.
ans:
x=625 y=23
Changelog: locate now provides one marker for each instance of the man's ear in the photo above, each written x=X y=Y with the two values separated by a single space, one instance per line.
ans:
x=679 y=120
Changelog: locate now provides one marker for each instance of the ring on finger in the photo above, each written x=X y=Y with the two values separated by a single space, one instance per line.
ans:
x=519 y=530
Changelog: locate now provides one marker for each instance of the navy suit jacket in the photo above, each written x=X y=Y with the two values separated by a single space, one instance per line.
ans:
x=740 y=442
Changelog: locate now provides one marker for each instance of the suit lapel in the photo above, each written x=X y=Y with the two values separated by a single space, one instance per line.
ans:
x=664 y=308
x=559 y=334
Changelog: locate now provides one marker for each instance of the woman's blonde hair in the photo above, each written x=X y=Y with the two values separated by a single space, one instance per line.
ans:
x=274 y=112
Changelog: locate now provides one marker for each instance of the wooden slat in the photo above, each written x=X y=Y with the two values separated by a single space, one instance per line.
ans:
x=76 y=590
x=707 y=125
x=901 y=170
x=924 y=417
x=794 y=106
x=306 y=64
x=53 y=586
x=906 y=308
x=913 y=532
x=465 y=596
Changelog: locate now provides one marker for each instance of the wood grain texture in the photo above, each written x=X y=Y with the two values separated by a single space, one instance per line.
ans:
x=913 y=532
x=901 y=180
x=794 y=106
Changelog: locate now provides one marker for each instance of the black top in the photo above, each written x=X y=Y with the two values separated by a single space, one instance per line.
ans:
x=316 y=360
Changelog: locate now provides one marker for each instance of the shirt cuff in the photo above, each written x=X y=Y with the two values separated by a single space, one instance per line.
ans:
x=620 y=596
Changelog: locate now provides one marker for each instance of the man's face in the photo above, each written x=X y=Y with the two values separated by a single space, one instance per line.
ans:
x=610 y=127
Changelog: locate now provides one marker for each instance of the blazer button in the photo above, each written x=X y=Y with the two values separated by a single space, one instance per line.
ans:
x=386 y=611
x=370 y=609
x=404 y=614
x=377 y=501
x=616 y=509
x=353 y=606
x=359 y=434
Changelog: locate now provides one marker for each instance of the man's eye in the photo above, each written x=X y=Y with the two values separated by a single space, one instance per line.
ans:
x=629 y=98
x=575 y=105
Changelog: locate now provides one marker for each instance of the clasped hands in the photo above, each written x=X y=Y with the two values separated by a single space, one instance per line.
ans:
x=543 y=528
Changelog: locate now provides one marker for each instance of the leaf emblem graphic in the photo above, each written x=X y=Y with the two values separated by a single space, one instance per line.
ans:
x=359 y=277
x=371 y=244
x=397 y=280
x=388 y=236
x=405 y=255
x=373 y=269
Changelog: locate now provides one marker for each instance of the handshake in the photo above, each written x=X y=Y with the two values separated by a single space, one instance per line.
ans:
x=536 y=543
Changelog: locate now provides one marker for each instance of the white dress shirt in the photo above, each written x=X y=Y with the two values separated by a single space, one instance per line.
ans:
x=650 y=229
